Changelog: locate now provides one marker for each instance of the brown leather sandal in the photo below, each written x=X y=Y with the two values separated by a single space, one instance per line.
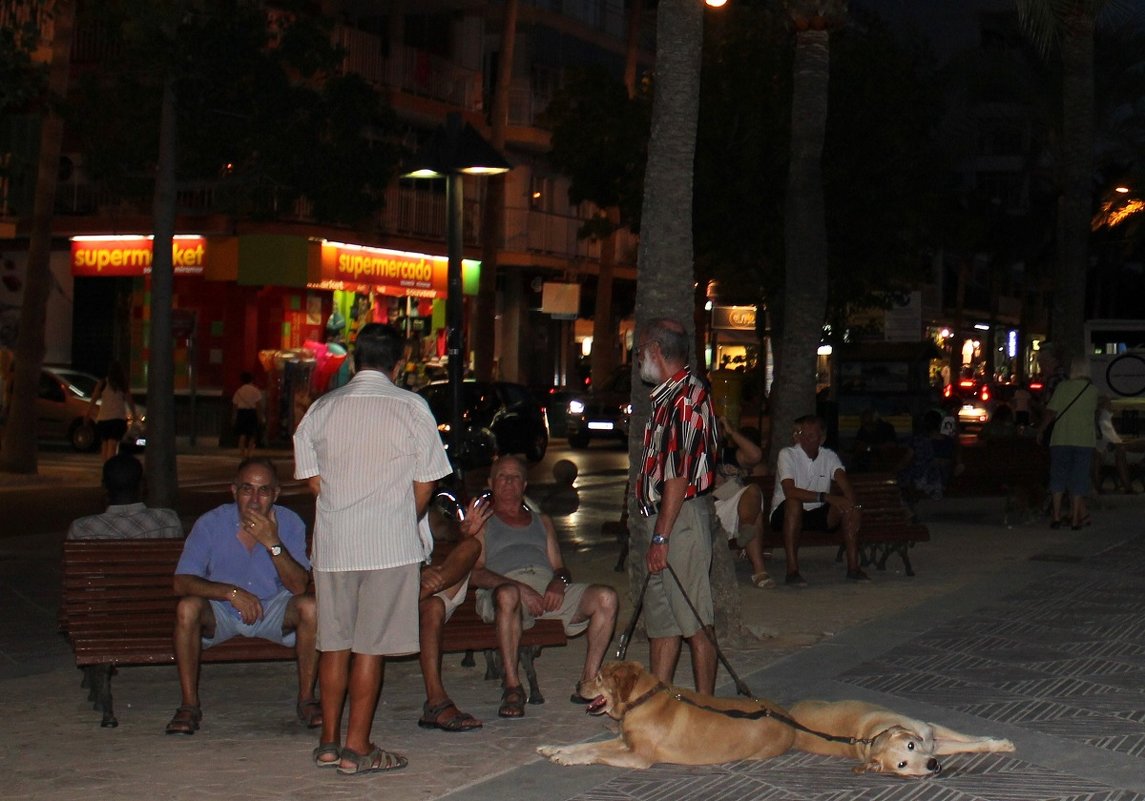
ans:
x=512 y=703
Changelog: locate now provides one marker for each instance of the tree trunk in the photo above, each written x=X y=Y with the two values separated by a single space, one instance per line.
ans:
x=603 y=326
x=805 y=238
x=18 y=451
x=665 y=269
x=160 y=465
x=1076 y=171
x=493 y=211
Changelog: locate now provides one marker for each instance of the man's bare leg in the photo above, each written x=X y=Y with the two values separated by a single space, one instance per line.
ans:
x=703 y=648
x=193 y=618
x=663 y=654
x=333 y=678
x=599 y=605
x=792 y=525
x=365 y=686
x=302 y=618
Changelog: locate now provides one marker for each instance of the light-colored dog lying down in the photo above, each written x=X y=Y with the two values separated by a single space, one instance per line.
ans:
x=671 y=725
x=655 y=726
x=884 y=741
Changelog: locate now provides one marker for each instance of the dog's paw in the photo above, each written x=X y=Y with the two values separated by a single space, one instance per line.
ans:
x=1001 y=745
x=562 y=755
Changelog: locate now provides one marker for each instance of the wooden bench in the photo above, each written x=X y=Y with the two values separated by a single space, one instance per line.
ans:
x=888 y=523
x=1001 y=466
x=117 y=607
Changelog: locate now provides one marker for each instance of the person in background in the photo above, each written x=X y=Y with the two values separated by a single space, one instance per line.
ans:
x=109 y=407
x=1023 y=405
x=739 y=504
x=247 y=414
x=126 y=517
x=1072 y=410
x=804 y=498
x=1109 y=442
x=875 y=437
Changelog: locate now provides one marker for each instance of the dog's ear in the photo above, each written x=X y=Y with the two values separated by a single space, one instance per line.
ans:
x=624 y=679
x=926 y=734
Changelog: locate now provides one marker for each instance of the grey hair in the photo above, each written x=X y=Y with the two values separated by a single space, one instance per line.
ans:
x=671 y=336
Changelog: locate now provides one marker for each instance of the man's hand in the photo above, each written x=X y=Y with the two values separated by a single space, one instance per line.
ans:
x=432 y=582
x=841 y=502
x=250 y=609
x=479 y=511
x=657 y=557
x=264 y=528
x=532 y=600
x=554 y=595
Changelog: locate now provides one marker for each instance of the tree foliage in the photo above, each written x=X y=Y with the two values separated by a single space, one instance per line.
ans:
x=600 y=140
x=264 y=114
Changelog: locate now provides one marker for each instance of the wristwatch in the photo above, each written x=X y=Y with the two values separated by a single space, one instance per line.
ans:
x=276 y=549
x=659 y=539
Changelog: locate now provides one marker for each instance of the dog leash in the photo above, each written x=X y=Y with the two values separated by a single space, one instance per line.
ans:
x=741 y=686
x=740 y=714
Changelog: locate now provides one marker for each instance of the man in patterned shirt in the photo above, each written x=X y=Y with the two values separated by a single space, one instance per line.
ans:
x=673 y=493
x=126 y=518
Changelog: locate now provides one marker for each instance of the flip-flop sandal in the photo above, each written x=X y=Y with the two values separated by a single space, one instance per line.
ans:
x=762 y=581
x=459 y=721
x=309 y=713
x=512 y=703
x=186 y=720
x=327 y=750
x=377 y=761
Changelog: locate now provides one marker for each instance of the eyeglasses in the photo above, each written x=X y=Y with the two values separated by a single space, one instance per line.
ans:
x=261 y=490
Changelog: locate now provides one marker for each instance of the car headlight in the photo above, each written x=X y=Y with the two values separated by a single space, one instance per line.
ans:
x=626 y=408
x=576 y=407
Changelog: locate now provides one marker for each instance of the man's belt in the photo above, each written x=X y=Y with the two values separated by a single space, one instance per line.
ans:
x=649 y=509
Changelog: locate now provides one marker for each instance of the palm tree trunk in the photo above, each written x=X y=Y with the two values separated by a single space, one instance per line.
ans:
x=665 y=268
x=160 y=465
x=805 y=236
x=1076 y=171
x=18 y=451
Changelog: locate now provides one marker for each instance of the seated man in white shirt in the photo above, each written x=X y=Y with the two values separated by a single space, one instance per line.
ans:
x=804 y=500
x=126 y=517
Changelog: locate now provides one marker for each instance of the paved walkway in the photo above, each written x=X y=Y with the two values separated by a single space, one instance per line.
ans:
x=1022 y=632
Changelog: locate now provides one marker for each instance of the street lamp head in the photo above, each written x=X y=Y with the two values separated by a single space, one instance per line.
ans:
x=455 y=147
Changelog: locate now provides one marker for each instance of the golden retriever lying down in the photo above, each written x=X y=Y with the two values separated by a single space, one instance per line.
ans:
x=655 y=726
x=890 y=742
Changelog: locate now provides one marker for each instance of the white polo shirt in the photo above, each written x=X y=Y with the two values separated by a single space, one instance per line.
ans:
x=807 y=473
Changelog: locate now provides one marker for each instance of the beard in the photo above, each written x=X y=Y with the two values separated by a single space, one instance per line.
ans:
x=649 y=374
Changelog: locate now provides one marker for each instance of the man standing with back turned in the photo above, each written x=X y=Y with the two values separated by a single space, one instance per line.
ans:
x=372 y=454
x=677 y=473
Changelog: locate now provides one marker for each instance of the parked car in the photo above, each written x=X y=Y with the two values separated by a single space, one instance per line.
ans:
x=61 y=410
x=602 y=413
x=497 y=417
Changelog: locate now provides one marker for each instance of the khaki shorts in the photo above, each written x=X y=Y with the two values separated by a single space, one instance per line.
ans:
x=371 y=612
x=666 y=612
x=538 y=579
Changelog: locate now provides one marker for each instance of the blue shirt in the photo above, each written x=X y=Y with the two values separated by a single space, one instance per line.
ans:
x=213 y=552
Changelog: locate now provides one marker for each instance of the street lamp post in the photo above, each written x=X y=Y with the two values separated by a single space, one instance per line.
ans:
x=455 y=149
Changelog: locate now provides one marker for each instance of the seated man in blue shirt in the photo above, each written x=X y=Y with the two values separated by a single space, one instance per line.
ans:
x=244 y=573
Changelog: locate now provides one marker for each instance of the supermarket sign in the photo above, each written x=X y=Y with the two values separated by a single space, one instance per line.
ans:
x=392 y=272
x=129 y=256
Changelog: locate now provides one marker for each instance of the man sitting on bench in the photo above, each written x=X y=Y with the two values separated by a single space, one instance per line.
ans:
x=803 y=499
x=522 y=577
x=244 y=573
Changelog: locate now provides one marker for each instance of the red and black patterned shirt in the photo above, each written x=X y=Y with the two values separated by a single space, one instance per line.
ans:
x=679 y=440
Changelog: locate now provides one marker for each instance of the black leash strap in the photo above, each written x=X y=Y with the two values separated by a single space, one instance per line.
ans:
x=709 y=631
x=764 y=712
